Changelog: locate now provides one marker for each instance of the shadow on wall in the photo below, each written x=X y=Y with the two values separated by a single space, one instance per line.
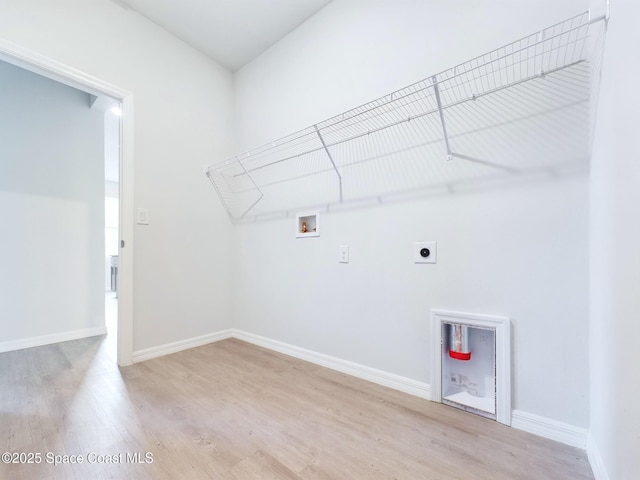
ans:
x=519 y=114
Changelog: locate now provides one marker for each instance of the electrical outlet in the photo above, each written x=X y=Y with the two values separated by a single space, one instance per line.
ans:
x=424 y=252
x=343 y=254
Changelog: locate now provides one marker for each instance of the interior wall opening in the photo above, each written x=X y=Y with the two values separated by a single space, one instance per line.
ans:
x=103 y=96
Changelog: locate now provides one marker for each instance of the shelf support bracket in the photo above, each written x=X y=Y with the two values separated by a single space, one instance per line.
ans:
x=254 y=184
x=436 y=90
x=486 y=163
x=324 y=145
x=219 y=192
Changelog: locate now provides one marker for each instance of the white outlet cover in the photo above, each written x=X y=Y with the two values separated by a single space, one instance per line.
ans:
x=433 y=252
x=343 y=254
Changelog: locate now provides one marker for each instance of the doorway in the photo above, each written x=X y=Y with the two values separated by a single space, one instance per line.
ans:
x=52 y=69
x=112 y=221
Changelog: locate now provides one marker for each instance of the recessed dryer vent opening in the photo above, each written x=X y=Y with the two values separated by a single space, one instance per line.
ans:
x=469 y=383
x=471 y=367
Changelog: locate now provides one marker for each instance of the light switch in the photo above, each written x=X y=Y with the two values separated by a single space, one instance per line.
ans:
x=343 y=254
x=143 y=216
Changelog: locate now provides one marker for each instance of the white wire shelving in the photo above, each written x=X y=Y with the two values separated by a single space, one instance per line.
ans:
x=521 y=109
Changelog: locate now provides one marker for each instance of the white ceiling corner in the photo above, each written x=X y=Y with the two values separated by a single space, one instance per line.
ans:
x=231 y=32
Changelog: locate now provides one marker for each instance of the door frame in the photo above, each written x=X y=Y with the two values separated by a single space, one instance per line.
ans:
x=50 y=68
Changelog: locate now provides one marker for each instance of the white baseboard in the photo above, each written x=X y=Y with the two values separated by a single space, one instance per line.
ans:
x=51 y=338
x=174 y=347
x=544 y=427
x=397 y=382
x=595 y=459
x=551 y=429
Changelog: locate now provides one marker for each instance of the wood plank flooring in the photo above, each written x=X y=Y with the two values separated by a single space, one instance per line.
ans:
x=234 y=411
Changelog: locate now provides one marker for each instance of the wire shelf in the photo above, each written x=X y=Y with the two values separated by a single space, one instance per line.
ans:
x=522 y=108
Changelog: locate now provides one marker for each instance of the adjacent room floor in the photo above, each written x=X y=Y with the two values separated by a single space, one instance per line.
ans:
x=231 y=410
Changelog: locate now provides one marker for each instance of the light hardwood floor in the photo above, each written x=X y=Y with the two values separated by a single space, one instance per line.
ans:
x=233 y=411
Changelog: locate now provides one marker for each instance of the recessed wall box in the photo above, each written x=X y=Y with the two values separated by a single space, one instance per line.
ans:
x=471 y=363
x=308 y=224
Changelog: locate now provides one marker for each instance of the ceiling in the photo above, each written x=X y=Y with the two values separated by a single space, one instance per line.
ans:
x=231 y=32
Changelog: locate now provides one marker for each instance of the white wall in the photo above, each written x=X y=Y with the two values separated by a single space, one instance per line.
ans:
x=520 y=252
x=182 y=105
x=615 y=259
x=51 y=208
